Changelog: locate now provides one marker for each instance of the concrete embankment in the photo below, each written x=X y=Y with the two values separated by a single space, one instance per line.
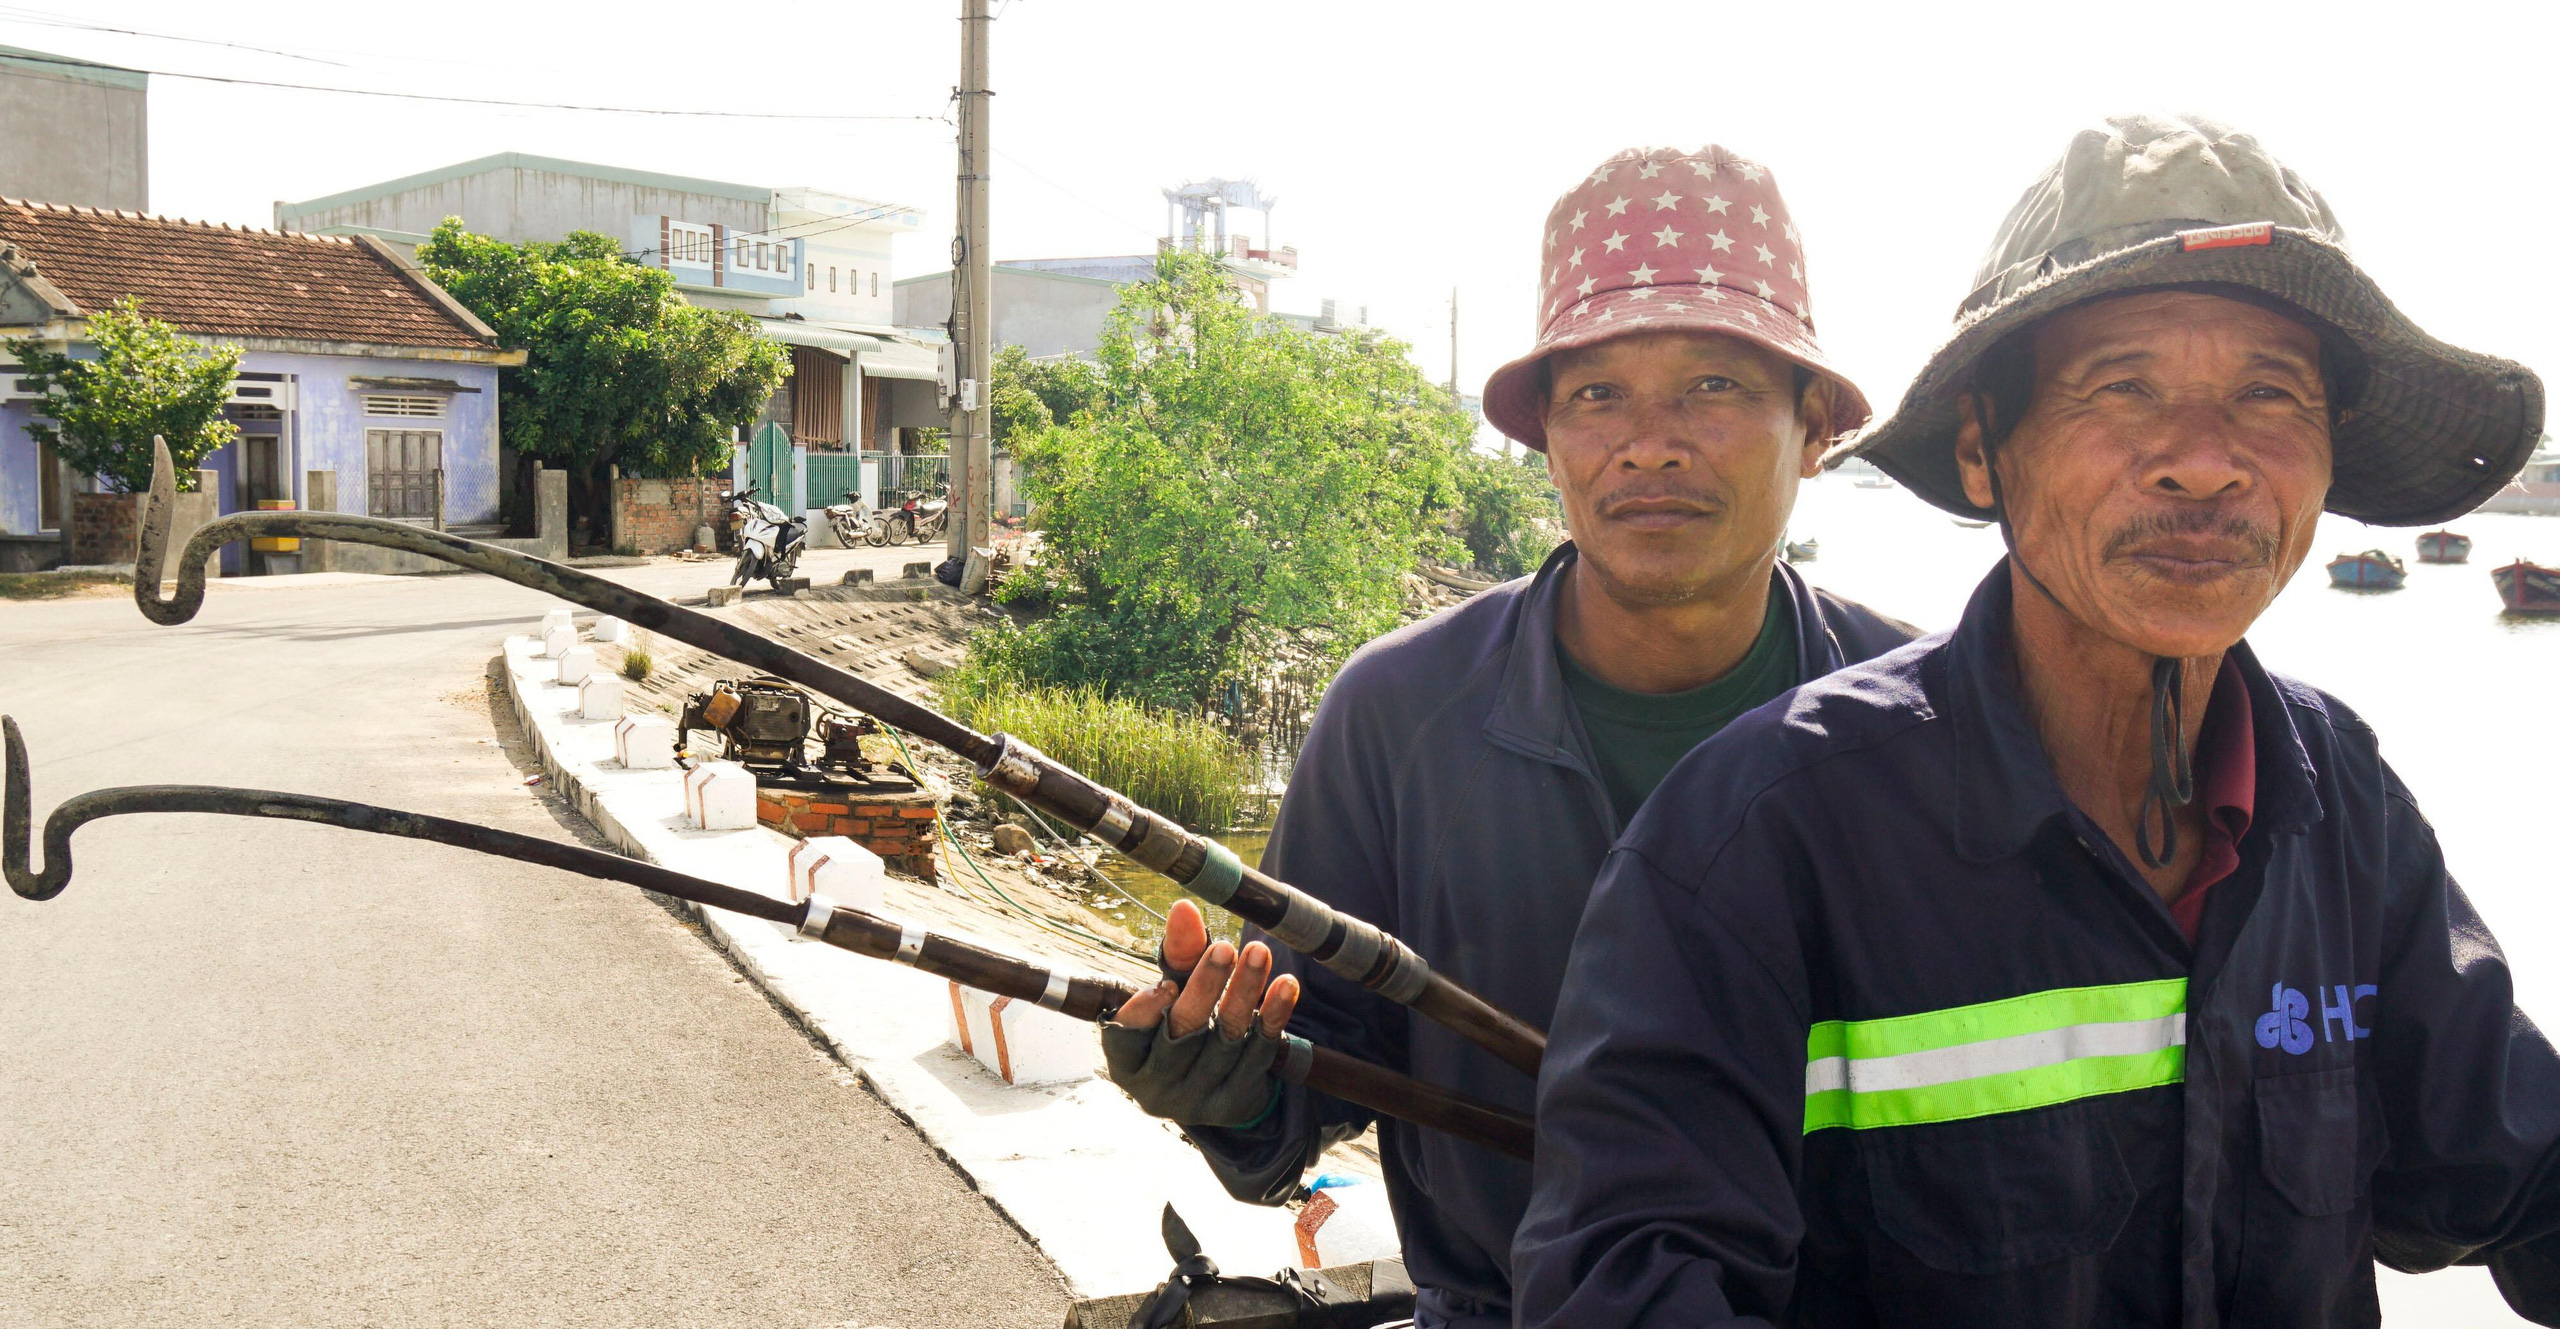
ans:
x=1075 y=1165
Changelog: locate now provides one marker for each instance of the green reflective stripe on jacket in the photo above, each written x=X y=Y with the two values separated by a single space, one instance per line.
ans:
x=1998 y=1056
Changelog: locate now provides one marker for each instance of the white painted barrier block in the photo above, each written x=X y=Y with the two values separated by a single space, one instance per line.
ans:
x=557 y=618
x=610 y=629
x=644 y=743
x=1346 y=1221
x=577 y=665
x=599 y=697
x=720 y=796
x=557 y=641
x=1020 y=1042
x=839 y=869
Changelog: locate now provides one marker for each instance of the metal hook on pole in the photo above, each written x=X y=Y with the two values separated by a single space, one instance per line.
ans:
x=1090 y=999
x=1351 y=947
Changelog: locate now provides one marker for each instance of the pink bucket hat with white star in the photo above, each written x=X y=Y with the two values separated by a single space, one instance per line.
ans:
x=1659 y=240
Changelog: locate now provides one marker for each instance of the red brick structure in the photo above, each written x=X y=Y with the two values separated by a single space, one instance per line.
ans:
x=659 y=516
x=897 y=827
x=105 y=528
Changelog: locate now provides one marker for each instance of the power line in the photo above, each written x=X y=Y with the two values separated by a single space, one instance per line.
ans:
x=1099 y=209
x=468 y=101
x=40 y=18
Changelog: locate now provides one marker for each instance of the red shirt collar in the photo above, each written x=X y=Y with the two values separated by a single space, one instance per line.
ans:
x=2226 y=763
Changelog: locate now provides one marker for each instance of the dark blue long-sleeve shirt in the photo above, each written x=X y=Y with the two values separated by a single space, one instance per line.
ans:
x=1867 y=1025
x=1446 y=793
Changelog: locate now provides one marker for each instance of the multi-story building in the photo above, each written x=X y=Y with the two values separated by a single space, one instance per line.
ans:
x=809 y=265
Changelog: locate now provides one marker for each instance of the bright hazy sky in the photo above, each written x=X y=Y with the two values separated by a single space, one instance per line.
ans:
x=1414 y=147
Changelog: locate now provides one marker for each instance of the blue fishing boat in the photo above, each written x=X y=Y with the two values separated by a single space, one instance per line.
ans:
x=2528 y=588
x=2372 y=570
x=1803 y=551
x=2443 y=547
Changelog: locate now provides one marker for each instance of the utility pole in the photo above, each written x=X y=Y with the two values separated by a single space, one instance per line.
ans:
x=1453 y=346
x=972 y=306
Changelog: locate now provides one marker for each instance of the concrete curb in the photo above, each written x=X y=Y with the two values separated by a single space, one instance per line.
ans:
x=1076 y=1166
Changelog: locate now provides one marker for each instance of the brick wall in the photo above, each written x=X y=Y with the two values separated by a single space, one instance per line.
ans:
x=897 y=827
x=104 y=527
x=659 y=516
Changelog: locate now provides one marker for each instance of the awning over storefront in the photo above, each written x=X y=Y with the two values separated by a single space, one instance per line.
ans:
x=794 y=332
x=900 y=359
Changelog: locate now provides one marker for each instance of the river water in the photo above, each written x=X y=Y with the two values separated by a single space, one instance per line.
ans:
x=2465 y=697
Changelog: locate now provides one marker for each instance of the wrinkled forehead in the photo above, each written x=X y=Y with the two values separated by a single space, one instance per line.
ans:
x=2192 y=329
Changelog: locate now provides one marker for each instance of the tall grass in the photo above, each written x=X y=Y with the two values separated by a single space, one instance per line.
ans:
x=1179 y=765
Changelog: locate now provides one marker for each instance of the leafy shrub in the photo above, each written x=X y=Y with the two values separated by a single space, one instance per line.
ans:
x=146 y=380
x=1506 y=514
x=1232 y=491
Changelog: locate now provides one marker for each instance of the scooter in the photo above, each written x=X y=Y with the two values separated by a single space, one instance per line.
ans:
x=918 y=518
x=855 y=519
x=769 y=540
x=932 y=515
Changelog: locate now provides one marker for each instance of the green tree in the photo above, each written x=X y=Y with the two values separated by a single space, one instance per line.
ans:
x=1236 y=491
x=147 y=380
x=1506 y=514
x=1031 y=395
x=619 y=370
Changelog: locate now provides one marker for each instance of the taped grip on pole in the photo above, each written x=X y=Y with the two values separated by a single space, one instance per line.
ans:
x=1351 y=947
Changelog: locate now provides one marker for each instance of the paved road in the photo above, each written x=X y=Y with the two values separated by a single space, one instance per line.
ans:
x=264 y=1074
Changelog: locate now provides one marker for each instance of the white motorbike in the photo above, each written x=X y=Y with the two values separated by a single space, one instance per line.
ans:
x=769 y=540
x=855 y=519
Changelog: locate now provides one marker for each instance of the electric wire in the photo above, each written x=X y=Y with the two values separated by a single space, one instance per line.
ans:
x=950 y=843
x=456 y=99
x=42 y=19
x=1068 y=844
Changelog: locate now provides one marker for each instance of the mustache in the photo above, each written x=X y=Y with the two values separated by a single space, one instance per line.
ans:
x=1706 y=501
x=2258 y=538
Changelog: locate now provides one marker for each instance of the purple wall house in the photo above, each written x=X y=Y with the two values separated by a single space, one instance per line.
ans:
x=355 y=368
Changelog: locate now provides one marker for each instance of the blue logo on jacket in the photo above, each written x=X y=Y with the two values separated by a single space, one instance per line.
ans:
x=2288 y=1024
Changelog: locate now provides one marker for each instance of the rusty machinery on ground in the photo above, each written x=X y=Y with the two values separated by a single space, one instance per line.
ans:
x=766 y=725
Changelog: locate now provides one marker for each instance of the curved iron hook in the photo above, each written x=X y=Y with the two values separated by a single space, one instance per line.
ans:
x=1090 y=999
x=1351 y=947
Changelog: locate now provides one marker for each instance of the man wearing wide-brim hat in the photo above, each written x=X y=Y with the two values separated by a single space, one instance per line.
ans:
x=1464 y=776
x=2073 y=969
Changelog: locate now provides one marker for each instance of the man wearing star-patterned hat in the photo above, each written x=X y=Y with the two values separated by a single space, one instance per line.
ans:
x=1465 y=776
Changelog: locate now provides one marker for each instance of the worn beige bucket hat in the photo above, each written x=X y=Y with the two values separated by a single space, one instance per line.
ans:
x=2154 y=200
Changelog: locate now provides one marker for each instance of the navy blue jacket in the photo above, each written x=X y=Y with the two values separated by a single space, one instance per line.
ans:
x=1867 y=1025
x=1446 y=793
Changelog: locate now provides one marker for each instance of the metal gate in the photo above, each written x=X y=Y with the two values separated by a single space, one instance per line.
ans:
x=769 y=467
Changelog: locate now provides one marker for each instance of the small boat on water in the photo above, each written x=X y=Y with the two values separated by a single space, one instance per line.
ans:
x=1803 y=551
x=1969 y=523
x=2444 y=547
x=1876 y=481
x=2528 y=588
x=2372 y=570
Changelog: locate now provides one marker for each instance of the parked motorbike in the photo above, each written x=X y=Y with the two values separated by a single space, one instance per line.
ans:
x=769 y=540
x=920 y=519
x=855 y=519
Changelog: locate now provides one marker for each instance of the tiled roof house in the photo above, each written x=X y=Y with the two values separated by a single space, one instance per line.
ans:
x=362 y=386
